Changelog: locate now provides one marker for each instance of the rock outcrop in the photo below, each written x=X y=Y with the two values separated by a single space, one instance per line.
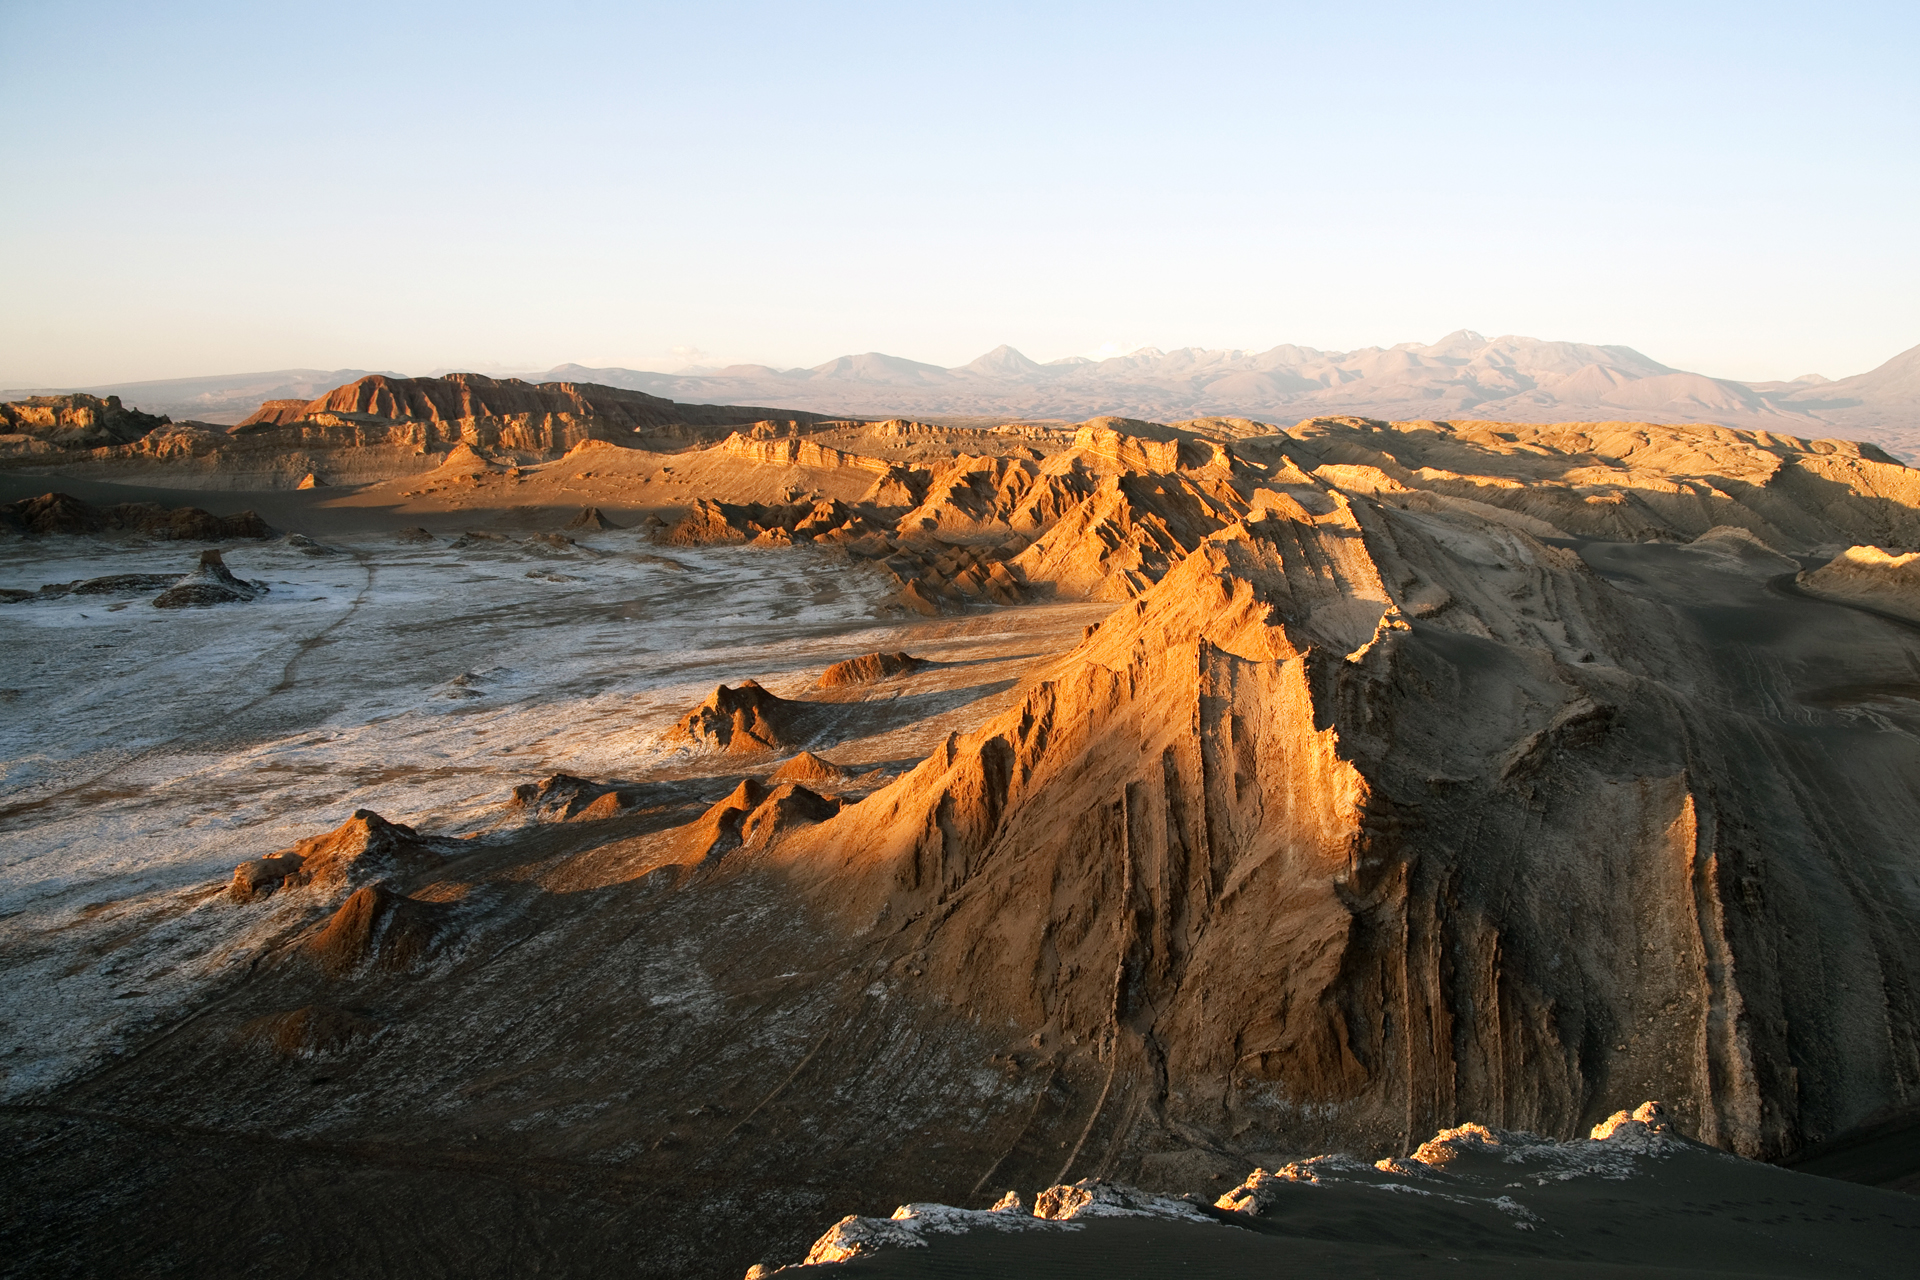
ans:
x=755 y=816
x=808 y=767
x=377 y=927
x=362 y=850
x=565 y=798
x=868 y=668
x=210 y=583
x=506 y=414
x=708 y=522
x=41 y=424
x=1872 y=577
x=742 y=719
x=592 y=520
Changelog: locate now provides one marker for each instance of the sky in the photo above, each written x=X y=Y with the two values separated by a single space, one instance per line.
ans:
x=202 y=188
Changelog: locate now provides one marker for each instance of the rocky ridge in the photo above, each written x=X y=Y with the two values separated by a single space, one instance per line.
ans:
x=374 y=428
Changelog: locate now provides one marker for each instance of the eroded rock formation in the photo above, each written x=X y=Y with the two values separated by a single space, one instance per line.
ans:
x=44 y=424
x=210 y=583
x=362 y=850
x=869 y=667
x=742 y=719
x=1272 y=848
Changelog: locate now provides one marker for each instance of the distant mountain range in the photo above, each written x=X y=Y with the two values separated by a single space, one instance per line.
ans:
x=1464 y=375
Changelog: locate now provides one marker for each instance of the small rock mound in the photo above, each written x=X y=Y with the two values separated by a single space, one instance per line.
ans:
x=306 y=546
x=869 y=667
x=755 y=814
x=413 y=533
x=310 y=481
x=210 y=583
x=591 y=519
x=309 y=1031
x=364 y=848
x=565 y=798
x=464 y=460
x=739 y=720
x=377 y=926
x=808 y=767
x=787 y=806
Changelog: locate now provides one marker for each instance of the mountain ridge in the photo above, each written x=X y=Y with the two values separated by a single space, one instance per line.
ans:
x=1461 y=375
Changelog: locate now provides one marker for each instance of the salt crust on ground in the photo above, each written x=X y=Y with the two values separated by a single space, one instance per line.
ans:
x=145 y=752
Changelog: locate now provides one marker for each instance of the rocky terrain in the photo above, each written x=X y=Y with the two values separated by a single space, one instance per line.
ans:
x=1511 y=1203
x=374 y=428
x=640 y=851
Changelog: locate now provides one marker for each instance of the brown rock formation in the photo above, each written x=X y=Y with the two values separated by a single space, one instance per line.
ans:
x=564 y=798
x=869 y=667
x=793 y=451
x=502 y=413
x=210 y=583
x=1271 y=846
x=739 y=720
x=709 y=522
x=1872 y=577
x=808 y=767
x=376 y=926
x=755 y=816
x=364 y=848
x=71 y=422
x=593 y=520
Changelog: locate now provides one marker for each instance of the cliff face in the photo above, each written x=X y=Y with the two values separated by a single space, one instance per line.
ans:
x=41 y=423
x=492 y=413
x=1288 y=861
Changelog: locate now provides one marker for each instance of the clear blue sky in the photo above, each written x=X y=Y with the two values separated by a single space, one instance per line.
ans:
x=202 y=188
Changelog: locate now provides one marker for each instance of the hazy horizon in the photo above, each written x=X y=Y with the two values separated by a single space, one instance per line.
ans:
x=687 y=367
